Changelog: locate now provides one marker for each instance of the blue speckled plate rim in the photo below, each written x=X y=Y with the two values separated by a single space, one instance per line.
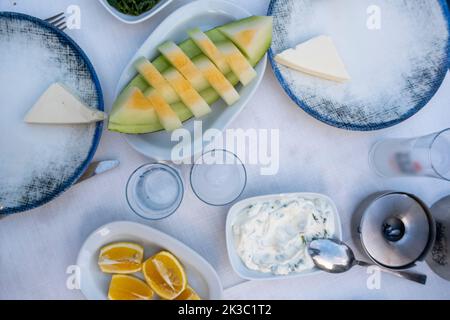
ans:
x=375 y=126
x=99 y=126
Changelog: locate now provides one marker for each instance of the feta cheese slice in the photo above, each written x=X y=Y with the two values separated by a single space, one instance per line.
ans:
x=318 y=57
x=59 y=106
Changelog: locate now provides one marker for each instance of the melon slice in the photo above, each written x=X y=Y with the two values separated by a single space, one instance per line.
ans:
x=238 y=63
x=132 y=108
x=217 y=80
x=167 y=117
x=182 y=63
x=191 y=98
x=156 y=80
x=162 y=64
x=252 y=35
x=209 y=49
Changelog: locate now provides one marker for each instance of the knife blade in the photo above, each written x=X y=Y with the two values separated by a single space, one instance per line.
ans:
x=98 y=167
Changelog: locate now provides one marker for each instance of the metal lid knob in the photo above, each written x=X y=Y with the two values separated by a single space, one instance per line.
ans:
x=396 y=229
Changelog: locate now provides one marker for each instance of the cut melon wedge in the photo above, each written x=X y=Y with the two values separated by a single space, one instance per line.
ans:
x=162 y=64
x=191 y=98
x=132 y=108
x=156 y=80
x=217 y=80
x=184 y=65
x=167 y=117
x=209 y=49
x=252 y=35
x=238 y=63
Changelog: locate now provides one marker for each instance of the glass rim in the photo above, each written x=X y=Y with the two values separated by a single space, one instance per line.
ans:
x=437 y=135
x=178 y=178
x=195 y=164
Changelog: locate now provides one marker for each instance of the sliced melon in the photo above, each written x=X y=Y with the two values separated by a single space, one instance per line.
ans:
x=238 y=63
x=217 y=80
x=209 y=49
x=191 y=98
x=162 y=64
x=132 y=108
x=252 y=35
x=182 y=63
x=156 y=80
x=167 y=117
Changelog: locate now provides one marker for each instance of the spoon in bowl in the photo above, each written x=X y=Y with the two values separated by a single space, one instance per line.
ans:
x=334 y=256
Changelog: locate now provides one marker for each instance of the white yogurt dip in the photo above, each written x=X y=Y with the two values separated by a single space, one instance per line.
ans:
x=273 y=236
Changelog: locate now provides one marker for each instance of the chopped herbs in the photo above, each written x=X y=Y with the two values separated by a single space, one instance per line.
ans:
x=133 y=7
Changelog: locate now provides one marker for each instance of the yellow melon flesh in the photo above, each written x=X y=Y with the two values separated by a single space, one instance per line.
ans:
x=155 y=79
x=133 y=108
x=238 y=63
x=209 y=49
x=184 y=65
x=217 y=80
x=167 y=117
x=188 y=95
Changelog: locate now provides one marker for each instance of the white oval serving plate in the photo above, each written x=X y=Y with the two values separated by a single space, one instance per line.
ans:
x=205 y=14
x=135 y=19
x=236 y=262
x=94 y=283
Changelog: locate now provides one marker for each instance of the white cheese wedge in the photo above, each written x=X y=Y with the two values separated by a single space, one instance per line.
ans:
x=318 y=57
x=59 y=106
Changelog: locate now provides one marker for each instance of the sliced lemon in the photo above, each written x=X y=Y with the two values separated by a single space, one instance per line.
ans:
x=188 y=294
x=124 y=287
x=165 y=275
x=121 y=257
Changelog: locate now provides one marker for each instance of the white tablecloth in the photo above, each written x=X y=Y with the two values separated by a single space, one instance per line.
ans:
x=36 y=247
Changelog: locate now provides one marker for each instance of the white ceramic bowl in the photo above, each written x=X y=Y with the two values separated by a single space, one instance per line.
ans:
x=236 y=262
x=135 y=19
x=94 y=284
x=205 y=14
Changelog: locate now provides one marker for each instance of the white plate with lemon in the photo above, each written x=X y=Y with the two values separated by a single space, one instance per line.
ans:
x=130 y=261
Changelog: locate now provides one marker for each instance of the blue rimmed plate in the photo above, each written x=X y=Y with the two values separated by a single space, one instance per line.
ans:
x=396 y=69
x=39 y=162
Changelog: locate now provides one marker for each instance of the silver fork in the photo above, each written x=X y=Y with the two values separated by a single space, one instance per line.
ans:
x=59 y=21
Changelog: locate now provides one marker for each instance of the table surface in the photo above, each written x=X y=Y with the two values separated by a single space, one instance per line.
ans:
x=38 y=246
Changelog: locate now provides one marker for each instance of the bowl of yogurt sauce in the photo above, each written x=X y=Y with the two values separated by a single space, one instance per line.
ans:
x=268 y=236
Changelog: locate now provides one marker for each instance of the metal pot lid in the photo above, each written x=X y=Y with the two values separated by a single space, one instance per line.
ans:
x=395 y=230
x=439 y=257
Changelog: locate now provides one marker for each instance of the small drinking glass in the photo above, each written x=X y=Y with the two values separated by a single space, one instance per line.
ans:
x=154 y=191
x=218 y=177
x=427 y=156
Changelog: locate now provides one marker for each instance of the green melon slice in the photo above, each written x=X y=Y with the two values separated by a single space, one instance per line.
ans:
x=156 y=80
x=209 y=49
x=217 y=80
x=188 y=95
x=167 y=117
x=133 y=108
x=251 y=35
x=162 y=64
x=238 y=63
x=184 y=65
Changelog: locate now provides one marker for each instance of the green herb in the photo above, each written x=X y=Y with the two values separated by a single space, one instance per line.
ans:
x=133 y=7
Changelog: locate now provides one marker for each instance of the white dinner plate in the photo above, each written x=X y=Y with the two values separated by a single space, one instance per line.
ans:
x=94 y=284
x=236 y=262
x=205 y=14
x=39 y=162
x=396 y=52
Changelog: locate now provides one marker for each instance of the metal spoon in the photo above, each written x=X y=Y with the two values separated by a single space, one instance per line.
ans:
x=335 y=256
